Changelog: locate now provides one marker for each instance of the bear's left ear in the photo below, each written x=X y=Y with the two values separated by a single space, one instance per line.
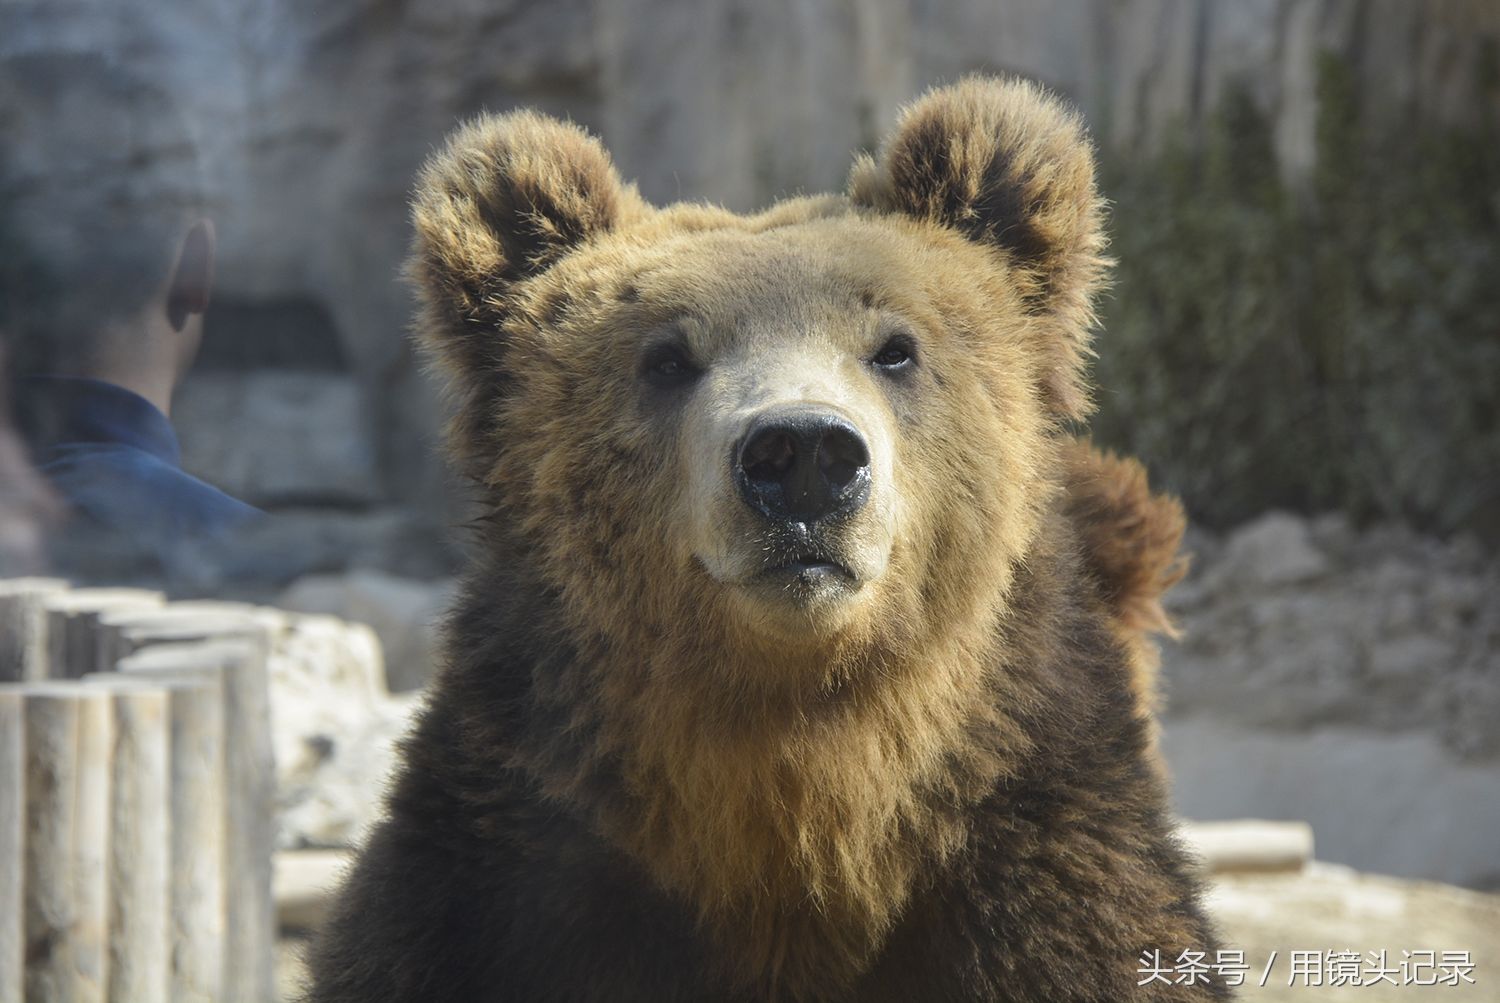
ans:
x=1009 y=167
x=505 y=199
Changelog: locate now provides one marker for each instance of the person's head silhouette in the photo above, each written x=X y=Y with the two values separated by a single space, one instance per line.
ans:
x=106 y=270
x=111 y=251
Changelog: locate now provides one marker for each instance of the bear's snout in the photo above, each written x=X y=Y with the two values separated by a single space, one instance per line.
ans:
x=802 y=465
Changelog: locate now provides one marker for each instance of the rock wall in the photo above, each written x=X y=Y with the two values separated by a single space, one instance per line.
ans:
x=313 y=115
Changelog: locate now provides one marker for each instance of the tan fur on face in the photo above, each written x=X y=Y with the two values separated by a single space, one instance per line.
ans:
x=791 y=787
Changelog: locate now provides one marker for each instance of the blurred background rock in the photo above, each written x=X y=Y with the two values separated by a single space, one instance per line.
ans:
x=1305 y=319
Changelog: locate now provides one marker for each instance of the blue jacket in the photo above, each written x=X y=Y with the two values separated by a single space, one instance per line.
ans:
x=115 y=459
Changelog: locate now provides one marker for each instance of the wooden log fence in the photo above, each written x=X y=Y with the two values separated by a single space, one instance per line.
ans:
x=197 y=816
x=12 y=844
x=136 y=798
x=73 y=617
x=23 y=627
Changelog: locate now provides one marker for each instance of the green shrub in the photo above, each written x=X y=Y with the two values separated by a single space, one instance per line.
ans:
x=1327 y=343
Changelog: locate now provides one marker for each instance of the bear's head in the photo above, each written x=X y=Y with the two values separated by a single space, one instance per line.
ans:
x=810 y=430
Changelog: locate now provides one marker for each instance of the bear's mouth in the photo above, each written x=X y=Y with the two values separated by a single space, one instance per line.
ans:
x=799 y=557
x=809 y=568
x=794 y=567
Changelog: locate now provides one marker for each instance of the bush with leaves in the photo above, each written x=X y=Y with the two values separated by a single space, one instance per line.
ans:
x=1325 y=342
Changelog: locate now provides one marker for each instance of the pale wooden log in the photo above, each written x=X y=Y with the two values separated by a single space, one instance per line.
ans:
x=68 y=736
x=122 y=632
x=139 y=840
x=1249 y=845
x=251 y=833
x=197 y=778
x=305 y=883
x=249 y=826
x=71 y=620
x=221 y=607
x=23 y=627
x=12 y=845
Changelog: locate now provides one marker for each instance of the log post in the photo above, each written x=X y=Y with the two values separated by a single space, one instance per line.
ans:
x=122 y=632
x=139 y=840
x=196 y=753
x=23 y=627
x=250 y=794
x=12 y=845
x=71 y=621
x=68 y=737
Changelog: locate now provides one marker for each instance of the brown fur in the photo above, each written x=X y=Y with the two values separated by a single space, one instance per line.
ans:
x=1132 y=540
x=798 y=798
x=1013 y=171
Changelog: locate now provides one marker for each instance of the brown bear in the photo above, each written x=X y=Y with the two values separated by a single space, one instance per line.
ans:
x=803 y=653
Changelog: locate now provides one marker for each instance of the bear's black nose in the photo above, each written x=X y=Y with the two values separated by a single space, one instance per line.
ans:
x=803 y=466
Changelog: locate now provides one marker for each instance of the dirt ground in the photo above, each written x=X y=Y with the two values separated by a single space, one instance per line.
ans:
x=1327 y=908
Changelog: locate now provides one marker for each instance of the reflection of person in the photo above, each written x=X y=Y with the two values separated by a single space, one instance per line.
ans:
x=104 y=291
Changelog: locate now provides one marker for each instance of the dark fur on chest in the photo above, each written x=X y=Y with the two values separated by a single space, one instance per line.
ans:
x=480 y=887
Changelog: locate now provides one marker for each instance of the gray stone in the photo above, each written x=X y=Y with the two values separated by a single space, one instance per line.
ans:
x=1414 y=655
x=1274 y=550
x=1459 y=596
x=1333 y=534
x=402 y=612
x=334 y=728
x=1265 y=915
x=1401 y=612
x=275 y=437
x=1384 y=633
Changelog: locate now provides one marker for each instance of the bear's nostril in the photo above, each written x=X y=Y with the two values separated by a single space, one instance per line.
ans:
x=803 y=465
x=769 y=457
x=842 y=456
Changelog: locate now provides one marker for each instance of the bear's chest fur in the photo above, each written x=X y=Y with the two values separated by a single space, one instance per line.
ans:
x=820 y=860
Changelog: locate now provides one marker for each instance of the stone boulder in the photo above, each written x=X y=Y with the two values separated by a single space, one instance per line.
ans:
x=402 y=612
x=334 y=728
x=1326 y=908
x=1272 y=551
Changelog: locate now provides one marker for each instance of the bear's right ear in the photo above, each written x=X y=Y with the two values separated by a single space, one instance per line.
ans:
x=1010 y=168
x=506 y=198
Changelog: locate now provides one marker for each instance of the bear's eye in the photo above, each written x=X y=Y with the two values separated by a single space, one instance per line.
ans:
x=897 y=353
x=668 y=366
